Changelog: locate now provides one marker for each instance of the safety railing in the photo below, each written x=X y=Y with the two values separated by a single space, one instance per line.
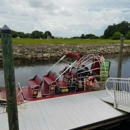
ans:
x=119 y=89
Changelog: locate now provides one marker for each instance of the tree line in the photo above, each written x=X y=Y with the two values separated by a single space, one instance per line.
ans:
x=34 y=34
x=111 y=32
x=114 y=31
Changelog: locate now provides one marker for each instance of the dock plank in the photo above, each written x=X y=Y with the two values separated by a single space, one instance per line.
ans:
x=71 y=111
x=26 y=118
x=67 y=119
x=54 y=114
x=87 y=110
x=39 y=117
x=47 y=119
x=21 y=122
x=80 y=117
x=4 y=121
x=33 y=118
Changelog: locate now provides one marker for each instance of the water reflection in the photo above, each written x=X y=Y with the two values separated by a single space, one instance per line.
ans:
x=125 y=66
x=25 y=69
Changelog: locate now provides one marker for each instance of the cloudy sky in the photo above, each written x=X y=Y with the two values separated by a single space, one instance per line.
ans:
x=65 y=18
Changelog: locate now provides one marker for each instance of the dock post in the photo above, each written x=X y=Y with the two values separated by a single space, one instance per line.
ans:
x=8 y=65
x=120 y=56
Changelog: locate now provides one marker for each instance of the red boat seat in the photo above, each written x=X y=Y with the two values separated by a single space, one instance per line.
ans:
x=62 y=84
x=70 y=75
x=96 y=66
x=50 y=78
x=35 y=82
x=45 y=91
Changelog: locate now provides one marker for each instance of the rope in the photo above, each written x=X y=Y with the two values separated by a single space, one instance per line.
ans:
x=22 y=106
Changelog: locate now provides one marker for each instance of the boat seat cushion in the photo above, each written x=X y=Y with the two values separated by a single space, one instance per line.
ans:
x=50 y=78
x=62 y=84
x=35 y=82
x=70 y=75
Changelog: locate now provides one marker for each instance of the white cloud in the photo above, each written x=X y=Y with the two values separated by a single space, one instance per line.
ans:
x=63 y=18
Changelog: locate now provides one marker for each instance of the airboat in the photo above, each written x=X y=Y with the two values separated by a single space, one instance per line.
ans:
x=82 y=75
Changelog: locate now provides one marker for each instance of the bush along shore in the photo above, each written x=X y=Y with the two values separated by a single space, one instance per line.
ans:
x=52 y=51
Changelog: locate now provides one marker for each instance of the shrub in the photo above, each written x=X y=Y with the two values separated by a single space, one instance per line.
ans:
x=116 y=35
x=127 y=35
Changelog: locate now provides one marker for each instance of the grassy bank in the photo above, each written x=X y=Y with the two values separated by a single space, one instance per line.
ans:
x=65 y=41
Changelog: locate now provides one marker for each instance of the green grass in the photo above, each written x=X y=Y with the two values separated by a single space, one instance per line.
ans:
x=65 y=41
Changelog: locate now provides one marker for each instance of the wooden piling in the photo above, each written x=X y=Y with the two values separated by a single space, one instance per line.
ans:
x=8 y=65
x=120 y=56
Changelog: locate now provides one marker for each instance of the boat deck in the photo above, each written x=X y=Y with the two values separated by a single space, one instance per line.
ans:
x=63 y=113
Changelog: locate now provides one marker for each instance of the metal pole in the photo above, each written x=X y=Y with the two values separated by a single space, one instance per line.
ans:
x=56 y=63
x=120 y=56
x=9 y=77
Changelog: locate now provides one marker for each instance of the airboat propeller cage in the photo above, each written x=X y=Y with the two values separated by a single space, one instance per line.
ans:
x=69 y=54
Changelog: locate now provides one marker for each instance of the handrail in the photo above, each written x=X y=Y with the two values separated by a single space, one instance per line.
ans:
x=57 y=63
x=69 y=67
x=107 y=87
x=20 y=91
x=86 y=58
x=121 y=90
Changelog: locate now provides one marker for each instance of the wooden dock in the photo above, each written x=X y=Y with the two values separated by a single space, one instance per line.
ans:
x=63 y=113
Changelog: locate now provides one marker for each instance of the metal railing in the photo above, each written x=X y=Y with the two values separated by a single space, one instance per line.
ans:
x=119 y=89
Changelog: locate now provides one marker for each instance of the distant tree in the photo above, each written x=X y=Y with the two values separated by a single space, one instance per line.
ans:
x=20 y=34
x=37 y=34
x=87 y=36
x=127 y=35
x=52 y=37
x=111 y=29
x=34 y=34
x=27 y=35
x=101 y=37
x=116 y=36
x=14 y=34
x=47 y=34
x=82 y=36
x=76 y=37
x=123 y=27
x=91 y=36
